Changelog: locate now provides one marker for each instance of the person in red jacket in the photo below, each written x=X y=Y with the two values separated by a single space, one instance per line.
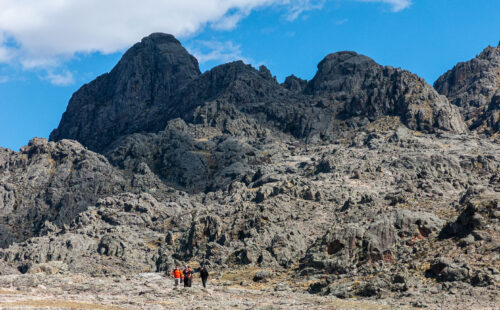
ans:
x=177 y=274
x=188 y=276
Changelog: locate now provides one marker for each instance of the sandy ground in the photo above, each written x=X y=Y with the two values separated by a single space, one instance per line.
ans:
x=154 y=291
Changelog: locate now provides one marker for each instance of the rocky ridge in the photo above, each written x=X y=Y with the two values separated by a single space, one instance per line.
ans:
x=363 y=182
x=474 y=86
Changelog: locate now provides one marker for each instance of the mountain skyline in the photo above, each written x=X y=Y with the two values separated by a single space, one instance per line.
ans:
x=289 y=37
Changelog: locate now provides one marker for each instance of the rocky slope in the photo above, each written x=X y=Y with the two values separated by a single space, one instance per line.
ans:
x=474 y=86
x=363 y=182
x=50 y=182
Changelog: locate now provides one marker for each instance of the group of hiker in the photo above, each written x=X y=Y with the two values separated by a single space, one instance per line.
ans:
x=186 y=276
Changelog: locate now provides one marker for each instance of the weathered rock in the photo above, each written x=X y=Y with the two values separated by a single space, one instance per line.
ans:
x=119 y=233
x=474 y=86
x=133 y=97
x=345 y=183
x=445 y=270
x=479 y=210
x=262 y=276
x=370 y=90
x=50 y=181
x=343 y=248
x=294 y=83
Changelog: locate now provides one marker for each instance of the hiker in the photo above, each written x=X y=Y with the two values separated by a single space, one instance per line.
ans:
x=177 y=273
x=204 y=276
x=188 y=276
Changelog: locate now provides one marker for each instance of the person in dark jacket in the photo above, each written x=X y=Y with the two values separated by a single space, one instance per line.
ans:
x=188 y=276
x=204 y=276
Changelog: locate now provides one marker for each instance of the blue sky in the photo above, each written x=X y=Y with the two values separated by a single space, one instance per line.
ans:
x=48 y=48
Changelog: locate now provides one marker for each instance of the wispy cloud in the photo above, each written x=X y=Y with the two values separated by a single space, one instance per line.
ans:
x=44 y=30
x=230 y=20
x=300 y=6
x=218 y=51
x=3 y=79
x=64 y=78
x=396 y=5
x=6 y=52
x=341 y=21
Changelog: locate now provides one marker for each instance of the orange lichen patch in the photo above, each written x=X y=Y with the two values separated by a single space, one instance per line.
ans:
x=202 y=139
x=8 y=292
x=155 y=244
x=425 y=266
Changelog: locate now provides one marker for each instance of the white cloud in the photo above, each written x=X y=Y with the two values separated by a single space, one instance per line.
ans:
x=3 y=79
x=60 y=79
x=5 y=52
x=45 y=33
x=396 y=5
x=229 y=21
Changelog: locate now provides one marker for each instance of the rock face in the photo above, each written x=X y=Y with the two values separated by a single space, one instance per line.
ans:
x=361 y=182
x=370 y=90
x=119 y=234
x=133 y=97
x=47 y=181
x=347 y=247
x=183 y=160
x=474 y=86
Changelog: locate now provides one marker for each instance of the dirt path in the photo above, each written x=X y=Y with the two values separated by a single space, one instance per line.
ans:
x=151 y=291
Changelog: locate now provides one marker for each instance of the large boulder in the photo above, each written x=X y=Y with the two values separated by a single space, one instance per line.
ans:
x=480 y=213
x=347 y=247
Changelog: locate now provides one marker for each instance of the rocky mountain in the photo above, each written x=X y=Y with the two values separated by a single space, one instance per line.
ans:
x=362 y=182
x=157 y=80
x=133 y=97
x=365 y=89
x=474 y=86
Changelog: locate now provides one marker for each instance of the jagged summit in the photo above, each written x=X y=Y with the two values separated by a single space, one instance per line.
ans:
x=474 y=86
x=366 y=89
x=158 y=80
x=335 y=67
x=131 y=98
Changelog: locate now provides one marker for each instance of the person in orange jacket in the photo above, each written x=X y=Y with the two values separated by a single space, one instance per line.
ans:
x=177 y=273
